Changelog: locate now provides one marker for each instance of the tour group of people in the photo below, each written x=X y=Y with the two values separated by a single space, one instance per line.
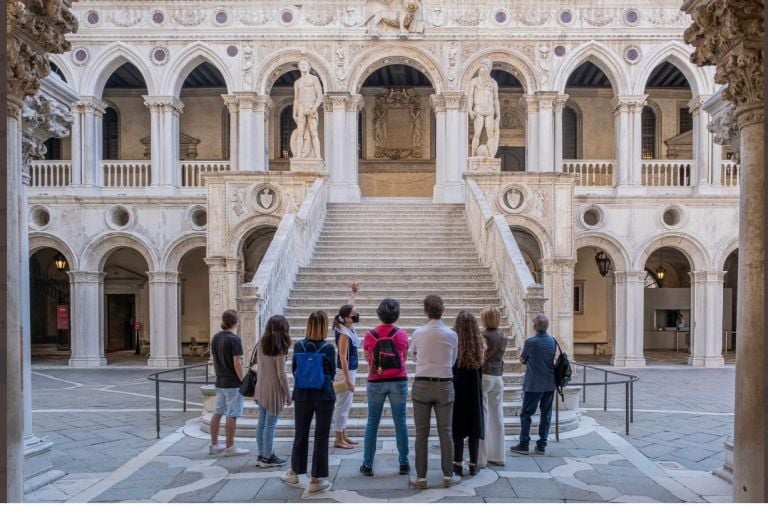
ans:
x=459 y=376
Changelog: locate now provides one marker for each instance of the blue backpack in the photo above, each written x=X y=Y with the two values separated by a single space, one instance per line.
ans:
x=309 y=372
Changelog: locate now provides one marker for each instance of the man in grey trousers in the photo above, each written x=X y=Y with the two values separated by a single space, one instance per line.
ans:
x=435 y=348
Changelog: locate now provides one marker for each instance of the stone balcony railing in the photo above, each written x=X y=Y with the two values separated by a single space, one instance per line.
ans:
x=50 y=174
x=667 y=173
x=192 y=171
x=590 y=172
x=730 y=172
x=126 y=174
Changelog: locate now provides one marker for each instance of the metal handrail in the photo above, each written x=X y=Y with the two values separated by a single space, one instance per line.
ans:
x=629 y=393
x=155 y=377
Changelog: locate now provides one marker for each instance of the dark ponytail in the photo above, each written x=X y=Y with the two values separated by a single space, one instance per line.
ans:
x=344 y=312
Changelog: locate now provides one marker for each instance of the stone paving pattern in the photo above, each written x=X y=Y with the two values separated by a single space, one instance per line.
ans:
x=103 y=426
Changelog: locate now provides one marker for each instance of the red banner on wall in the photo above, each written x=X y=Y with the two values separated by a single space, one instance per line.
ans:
x=62 y=317
x=137 y=325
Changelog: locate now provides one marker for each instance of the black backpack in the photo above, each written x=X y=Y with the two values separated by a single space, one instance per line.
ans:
x=385 y=353
x=562 y=371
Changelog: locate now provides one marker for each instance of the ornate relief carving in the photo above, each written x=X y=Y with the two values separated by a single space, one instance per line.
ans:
x=533 y=17
x=189 y=17
x=319 y=17
x=341 y=65
x=253 y=17
x=452 y=52
x=598 y=17
x=351 y=17
x=468 y=17
x=388 y=143
x=437 y=17
x=664 y=17
x=543 y=61
x=42 y=119
x=125 y=18
x=247 y=65
x=238 y=202
x=265 y=198
x=404 y=16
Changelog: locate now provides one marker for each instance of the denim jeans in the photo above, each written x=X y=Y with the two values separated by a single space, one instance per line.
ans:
x=265 y=431
x=377 y=393
x=530 y=401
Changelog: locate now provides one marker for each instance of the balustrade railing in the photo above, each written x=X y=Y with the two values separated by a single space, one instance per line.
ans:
x=192 y=171
x=730 y=171
x=50 y=174
x=668 y=173
x=126 y=174
x=590 y=172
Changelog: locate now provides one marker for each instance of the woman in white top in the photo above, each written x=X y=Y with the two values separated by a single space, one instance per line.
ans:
x=347 y=343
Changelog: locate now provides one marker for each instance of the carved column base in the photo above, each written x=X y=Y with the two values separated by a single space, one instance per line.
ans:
x=307 y=165
x=477 y=164
x=38 y=466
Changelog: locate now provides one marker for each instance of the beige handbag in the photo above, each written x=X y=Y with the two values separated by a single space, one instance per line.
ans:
x=340 y=385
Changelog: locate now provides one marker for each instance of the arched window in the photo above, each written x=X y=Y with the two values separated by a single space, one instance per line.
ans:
x=225 y=134
x=111 y=135
x=53 y=149
x=570 y=134
x=648 y=135
x=287 y=125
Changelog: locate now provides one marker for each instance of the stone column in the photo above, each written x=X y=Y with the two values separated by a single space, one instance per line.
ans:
x=233 y=108
x=86 y=299
x=701 y=176
x=707 y=320
x=452 y=140
x=87 y=141
x=531 y=133
x=164 y=115
x=253 y=139
x=629 y=329
x=558 y=276
x=559 y=105
x=224 y=280
x=546 y=140
x=636 y=104
x=339 y=120
x=730 y=34
x=353 y=106
x=164 y=315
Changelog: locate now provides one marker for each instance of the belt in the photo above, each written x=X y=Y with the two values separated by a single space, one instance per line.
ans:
x=434 y=379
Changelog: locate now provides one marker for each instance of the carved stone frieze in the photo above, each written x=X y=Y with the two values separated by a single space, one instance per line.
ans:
x=317 y=17
x=253 y=17
x=468 y=17
x=453 y=50
x=598 y=17
x=533 y=17
x=125 y=18
x=402 y=18
x=665 y=17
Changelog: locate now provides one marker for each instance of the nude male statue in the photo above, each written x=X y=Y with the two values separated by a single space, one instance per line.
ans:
x=307 y=97
x=483 y=105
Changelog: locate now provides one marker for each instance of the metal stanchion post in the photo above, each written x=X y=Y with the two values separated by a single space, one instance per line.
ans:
x=157 y=404
x=605 y=393
x=557 y=417
x=184 y=393
x=626 y=406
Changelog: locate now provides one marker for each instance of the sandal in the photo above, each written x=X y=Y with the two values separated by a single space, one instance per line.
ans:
x=340 y=444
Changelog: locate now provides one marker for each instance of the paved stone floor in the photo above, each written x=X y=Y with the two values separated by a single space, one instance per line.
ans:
x=103 y=425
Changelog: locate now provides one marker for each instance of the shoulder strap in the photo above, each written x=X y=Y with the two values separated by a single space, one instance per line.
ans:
x=393 y=332
x=374 y=334
x=303 y=347
x=321 y=347
x=254 y=354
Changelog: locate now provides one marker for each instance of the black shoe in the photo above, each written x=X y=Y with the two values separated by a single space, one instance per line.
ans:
x=271 y=462
x=474 y=469
x=519 y=448
x=405 y=469
x=540 y=451
x=458 y=469
x=368 y=472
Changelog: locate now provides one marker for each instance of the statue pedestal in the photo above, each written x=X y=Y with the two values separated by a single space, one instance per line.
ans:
x=483 y=164
x=307 y=165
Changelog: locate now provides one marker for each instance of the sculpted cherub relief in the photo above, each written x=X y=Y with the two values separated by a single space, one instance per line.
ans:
x=405 y=15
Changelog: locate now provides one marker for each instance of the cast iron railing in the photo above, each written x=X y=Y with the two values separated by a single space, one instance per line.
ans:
x=184 y=380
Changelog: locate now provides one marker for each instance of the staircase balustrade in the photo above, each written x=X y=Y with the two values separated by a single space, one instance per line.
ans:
x=590 y=172
x=668 y=173
x=50 y=174
x=126 y=174
x=730 y=173
x=192 y=171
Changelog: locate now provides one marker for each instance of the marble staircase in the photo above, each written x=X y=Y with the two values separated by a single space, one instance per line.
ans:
x=404 y=250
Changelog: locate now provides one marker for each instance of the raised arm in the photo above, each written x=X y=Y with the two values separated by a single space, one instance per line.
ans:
x=352 y=296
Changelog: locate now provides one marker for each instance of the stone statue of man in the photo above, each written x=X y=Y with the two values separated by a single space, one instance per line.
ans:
x=308 y=95
x=484 y=109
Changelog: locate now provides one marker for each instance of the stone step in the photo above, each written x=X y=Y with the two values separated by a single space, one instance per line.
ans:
x=304 y=299
x=401 y=288
x=384 y=271
x=437 y=255
x=424 y=263
x=366 y=249
x=367 y=312
x=512 y=365
x=406 y=321
x=298 y=328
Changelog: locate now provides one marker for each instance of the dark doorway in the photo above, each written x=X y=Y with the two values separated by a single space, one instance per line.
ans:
x=512 y=159
x=121 y=310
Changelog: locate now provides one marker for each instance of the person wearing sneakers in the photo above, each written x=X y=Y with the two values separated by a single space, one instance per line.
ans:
x=313 y=396
x=539 y=386
x=271 y=392
x=227 y=354
x=492 y=446
x=347 y=344
x=386 y=350
x=435 y=349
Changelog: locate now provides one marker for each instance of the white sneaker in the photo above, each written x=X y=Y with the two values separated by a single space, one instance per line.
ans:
x=216 y=449
x=451 y=480
x=289 y=477
x=235 y=451
x=321 y=485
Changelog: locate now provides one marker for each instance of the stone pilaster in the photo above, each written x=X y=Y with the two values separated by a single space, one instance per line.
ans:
x=627 y=143
x=730 y=34
x=86 y=295
x=451 y=142
x=707 y=331
x=557 y=275
x=252 y=142
x=703 y=146
x=630 y=300
x=249 y=311
x=233 y=107
x=164 y=315
x=223 y=280
x=559 y=105
x=546 y=130
x=340 y=123
x=531 y=105
x=87 y=154
x=164 y=114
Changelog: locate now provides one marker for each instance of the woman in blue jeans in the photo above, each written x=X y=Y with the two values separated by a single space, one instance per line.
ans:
x=386 y=349
x=272 y=392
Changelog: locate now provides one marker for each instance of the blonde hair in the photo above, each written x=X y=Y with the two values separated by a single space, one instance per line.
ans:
x=317 y=325
x=491 y=318
x=471 y=343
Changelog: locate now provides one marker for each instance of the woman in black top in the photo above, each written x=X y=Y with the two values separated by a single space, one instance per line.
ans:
x=309 y=403
x=467 y=384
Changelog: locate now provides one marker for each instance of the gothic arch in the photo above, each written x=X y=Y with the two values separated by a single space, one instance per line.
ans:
x=95 y=254
x=690 y=246
x=605 y=242
x=66 y=68
x=380 y=56
x=241 y=232
x=538 y=231
x=107 y=62
x=723 y=252
x=678 y=54
x=600 y=55
x=41 y=240
x=524 y=69
x=188 y=59
x=175 y=252
x=277 y=64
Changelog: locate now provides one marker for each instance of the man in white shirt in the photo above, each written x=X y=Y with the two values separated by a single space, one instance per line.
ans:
x=435 y=348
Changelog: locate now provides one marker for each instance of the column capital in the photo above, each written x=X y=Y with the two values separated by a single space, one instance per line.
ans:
x=84 y=277
x=164 y=277
x=628 y=103
x=560 y=101
x=702 y=276
x=629 y=277
x=90 y=104
x=232 y=102
x=252 y=100
x=454 y=100
x=355 y=103
x=530 y=102
x=163 y=104
x=437 y=102
x=222 y=264
x=696 y=104
x=546 y=98
x=558 y=265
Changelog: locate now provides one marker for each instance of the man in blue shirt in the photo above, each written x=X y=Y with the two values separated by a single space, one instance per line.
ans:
x=538 y=356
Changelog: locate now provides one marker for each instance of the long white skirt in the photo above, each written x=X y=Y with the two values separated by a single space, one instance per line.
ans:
x=343 y=403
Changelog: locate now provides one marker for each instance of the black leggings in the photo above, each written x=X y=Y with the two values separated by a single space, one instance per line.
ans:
x=458 y=449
